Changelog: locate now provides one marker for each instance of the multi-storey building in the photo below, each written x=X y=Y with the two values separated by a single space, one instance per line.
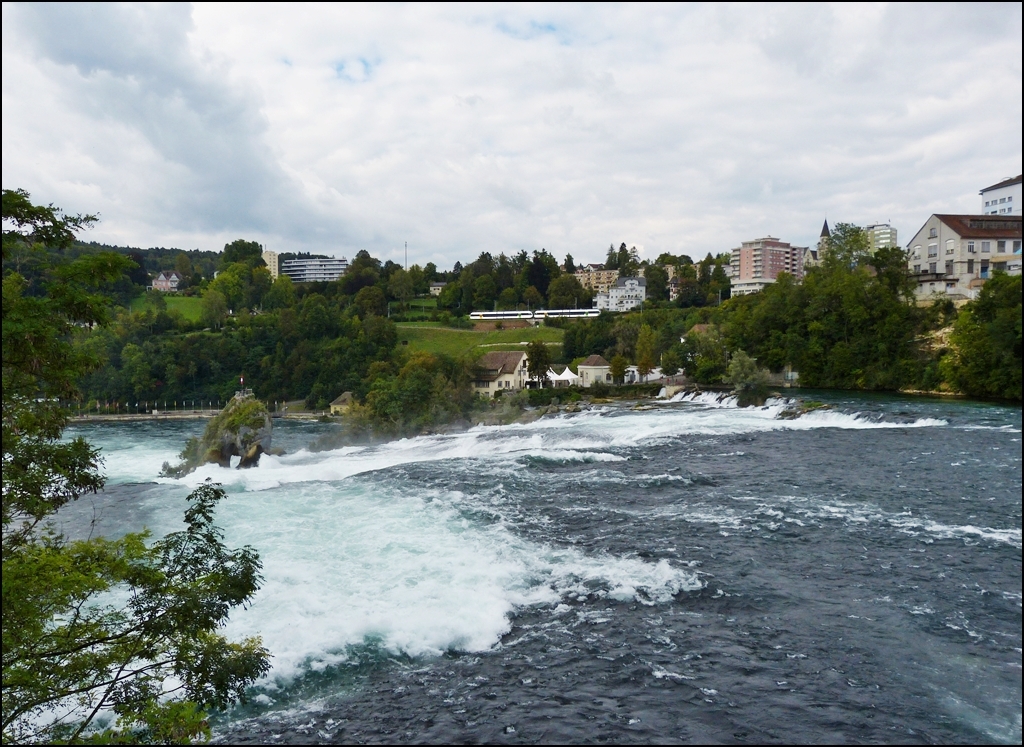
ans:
x=757 y=263
x=1003 y=198
x=880 y=235
x=596 y=278
x=315 y=270
x=626 y=294
x=271 y=259
x=953 y=255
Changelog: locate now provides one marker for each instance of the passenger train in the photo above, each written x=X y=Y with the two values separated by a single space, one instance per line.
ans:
x=492 y=316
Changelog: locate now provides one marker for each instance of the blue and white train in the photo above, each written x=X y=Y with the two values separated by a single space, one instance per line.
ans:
x=493 y=316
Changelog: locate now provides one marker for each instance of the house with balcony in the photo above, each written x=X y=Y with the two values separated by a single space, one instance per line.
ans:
x=952 y=256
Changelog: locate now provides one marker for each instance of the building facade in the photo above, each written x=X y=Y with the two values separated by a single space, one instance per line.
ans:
x=594 y=370
x=880 y=235
x=500 y=371
x=953 y=255
x=167 y=281
x=272 y=264
x=315 y=270
x=626 y=294
x=596 y=278
x=1003 y=198
x=755 y=264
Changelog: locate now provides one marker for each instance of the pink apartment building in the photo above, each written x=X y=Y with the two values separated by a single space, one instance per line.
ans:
x=757 y=263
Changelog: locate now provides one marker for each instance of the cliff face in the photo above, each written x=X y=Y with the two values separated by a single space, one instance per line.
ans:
x=242 y=429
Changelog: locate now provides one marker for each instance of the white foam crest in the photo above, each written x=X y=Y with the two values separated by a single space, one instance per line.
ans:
x=348 y=564
x=865 y=513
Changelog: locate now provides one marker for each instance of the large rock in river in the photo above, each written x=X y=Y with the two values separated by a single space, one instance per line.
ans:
x=241 y=429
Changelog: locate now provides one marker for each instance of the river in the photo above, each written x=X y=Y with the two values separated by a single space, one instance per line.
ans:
x=689 y=572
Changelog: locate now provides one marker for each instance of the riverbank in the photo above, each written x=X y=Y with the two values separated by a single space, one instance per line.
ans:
x=181 y=415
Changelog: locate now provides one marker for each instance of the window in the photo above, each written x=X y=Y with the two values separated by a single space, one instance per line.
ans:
x=1000 y=246
x=1016 y=247
x=917 y=252
x=986 y=246
x=970 y=267
x=931 y=267
x=1002 y=200
x=949 y=246
x=970 y=247
x=933 y=232
x=984 y=268
x=933 y=250
x=949 y=267
x=917 y=269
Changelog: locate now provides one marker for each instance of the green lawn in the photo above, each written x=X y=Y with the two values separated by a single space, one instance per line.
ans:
x=189 y=307
x=433 y=338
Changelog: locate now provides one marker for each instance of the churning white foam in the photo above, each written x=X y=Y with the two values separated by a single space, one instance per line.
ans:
x=354 y=563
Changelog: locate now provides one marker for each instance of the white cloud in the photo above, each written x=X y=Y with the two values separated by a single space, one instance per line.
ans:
x=460 y=130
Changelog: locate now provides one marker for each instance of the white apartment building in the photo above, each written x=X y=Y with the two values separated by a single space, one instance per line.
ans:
x=953 y=255
x=271 y=259
x=315 y=270
x=1003 y=198
x=625 y=295
x=880 y=235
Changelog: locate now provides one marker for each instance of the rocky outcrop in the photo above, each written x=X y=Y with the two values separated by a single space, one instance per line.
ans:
x=243 y=429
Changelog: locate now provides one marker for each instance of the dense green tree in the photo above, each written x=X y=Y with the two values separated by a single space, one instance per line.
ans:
x=611 y=262
x=71 y=655
x=569 y=265
x=646 y=351
x=533 y=297
x=566 y=292
x=240 y=250
x=670 y=362
x=401 y=286
x=485 y=291
x=215 y=308
x=542 y=269
x=986 y=342
x=657 y=283
x=370 y=301
x=750 y=381
x=617 y=368
x=538 y=361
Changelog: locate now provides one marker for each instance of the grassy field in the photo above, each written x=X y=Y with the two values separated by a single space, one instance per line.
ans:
x=189 y=307
x=433 y=338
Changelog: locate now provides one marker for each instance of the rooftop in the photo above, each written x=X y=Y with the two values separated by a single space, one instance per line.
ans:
x=984 y=226
x=1003 y=183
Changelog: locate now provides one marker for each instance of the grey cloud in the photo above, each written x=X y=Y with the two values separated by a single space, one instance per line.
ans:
x=681 y=128
x=135 y=65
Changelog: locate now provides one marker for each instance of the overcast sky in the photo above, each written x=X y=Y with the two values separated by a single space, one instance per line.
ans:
x=462 y=129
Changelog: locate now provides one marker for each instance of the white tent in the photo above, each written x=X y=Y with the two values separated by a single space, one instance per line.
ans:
x=566 y=378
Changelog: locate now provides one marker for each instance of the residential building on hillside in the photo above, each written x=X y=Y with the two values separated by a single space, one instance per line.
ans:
x=626 y=294
x=500 y=371
x=594 y=370
x=953 y=255
x=596 y=278
x=757 y=263
x=315 y=270
x=880 y=235
x=272 y=264
x=1003 y=198
x=436 y=288
x=167 y=281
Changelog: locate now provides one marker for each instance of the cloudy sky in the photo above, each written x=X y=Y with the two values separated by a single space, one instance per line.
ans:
x=461 y=129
